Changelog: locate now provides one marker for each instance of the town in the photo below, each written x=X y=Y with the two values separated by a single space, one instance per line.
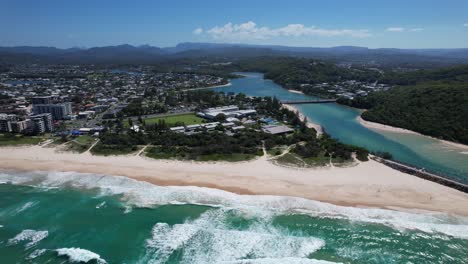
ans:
x=39 y=99
x=160 y=115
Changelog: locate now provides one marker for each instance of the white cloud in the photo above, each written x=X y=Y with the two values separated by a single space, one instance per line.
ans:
x=250 y=30
x=395 y=29
x=198 y=31
x=417 y=29
x=465 y=25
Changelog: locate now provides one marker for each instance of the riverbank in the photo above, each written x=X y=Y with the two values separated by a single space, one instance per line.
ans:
x=209 y=87
x=295 y=91
x=310 y=124
x=369 y=184
x=382 y=127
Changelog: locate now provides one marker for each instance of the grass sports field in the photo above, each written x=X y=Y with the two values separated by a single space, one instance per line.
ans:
x=172 y=120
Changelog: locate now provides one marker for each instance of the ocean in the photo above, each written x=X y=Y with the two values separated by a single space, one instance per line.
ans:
x=66 y=217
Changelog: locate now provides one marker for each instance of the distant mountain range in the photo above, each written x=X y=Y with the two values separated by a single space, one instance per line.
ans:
x=128 y=54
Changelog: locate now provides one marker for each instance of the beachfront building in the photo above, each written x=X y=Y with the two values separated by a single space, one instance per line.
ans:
x=195 y=128
x=5 y=124
x=58 y=111
x=277 y=129
x=21 y=126
x=42 y=123
x=10 y=123
x=230 y=111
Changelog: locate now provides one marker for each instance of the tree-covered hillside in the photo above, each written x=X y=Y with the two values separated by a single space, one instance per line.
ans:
x=435 y=104
x=292 y=72
x=439 y=110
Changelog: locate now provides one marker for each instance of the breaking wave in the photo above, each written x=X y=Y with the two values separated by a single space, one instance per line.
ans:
x=142 y=194
x=79 y=255
x=280 y=261
x=209 y=239
x=36 y=253
x=32 y=236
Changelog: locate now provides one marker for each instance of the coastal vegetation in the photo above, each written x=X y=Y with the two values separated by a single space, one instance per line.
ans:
x=9 y=139
x=79 y=143
x=434 y=103
x=291 y=72
x=221 y=143
x=117 y=144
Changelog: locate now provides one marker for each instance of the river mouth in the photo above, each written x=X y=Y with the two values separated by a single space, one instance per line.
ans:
x=340 y=122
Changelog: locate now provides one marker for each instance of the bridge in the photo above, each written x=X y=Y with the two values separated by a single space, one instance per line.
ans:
x=318 y=101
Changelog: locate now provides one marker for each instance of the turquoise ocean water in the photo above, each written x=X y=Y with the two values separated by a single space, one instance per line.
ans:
x=85 y=218
x=67 y=217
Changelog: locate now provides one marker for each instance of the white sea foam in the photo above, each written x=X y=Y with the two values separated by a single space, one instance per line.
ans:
x=143 y=194
x=100 y=205
x=209 y=239
x=79 y=255
x=37 y=253
x=280 y=261
x=26 y=206
x=32 y=236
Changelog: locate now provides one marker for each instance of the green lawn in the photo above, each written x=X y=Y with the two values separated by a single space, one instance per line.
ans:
x=85 y=140
x=171 y=120
x=14 y=140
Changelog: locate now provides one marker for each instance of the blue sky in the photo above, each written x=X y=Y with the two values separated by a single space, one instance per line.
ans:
x=375 y=24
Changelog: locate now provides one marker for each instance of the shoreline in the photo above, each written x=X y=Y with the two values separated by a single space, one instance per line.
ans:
x=382 y=127
x=209 y=87
x=295 y=91
x=310 y=124
x=369 y=184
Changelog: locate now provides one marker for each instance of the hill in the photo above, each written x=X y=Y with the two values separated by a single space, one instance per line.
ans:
x=128 y=54
x=435 y=104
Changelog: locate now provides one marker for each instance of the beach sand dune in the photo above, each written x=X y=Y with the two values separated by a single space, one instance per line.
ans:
x=382 y=127
x=369 y=184
x=310 y=124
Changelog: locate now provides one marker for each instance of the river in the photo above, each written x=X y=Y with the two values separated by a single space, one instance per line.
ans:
x=68 y=217
x=340 y=122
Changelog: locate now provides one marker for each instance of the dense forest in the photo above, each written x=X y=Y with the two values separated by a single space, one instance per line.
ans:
x=291 y=72
x=435 y=103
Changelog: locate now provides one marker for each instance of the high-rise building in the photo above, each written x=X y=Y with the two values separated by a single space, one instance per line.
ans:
x=5 y=122
x=38 y=126
x=42 y=123
x=21 y=126
x=42 y=100
x=5 y=125
x=58 y=111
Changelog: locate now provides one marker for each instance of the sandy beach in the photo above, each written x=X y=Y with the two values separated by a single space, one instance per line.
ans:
x=295 y=91
x=382 y=127
x=310 y=124
x=209 y=87
x=369 y=184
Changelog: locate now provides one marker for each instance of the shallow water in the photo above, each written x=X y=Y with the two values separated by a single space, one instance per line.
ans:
x=66 y=217
x=340 y=122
